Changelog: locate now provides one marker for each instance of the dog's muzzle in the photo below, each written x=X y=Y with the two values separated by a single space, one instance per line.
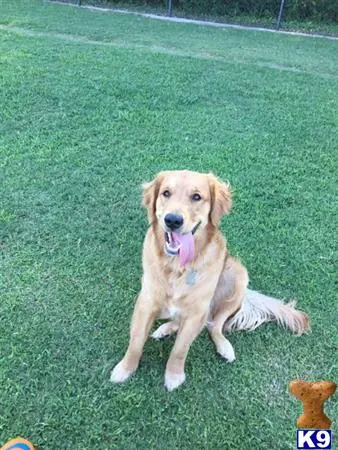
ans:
x=174 y=240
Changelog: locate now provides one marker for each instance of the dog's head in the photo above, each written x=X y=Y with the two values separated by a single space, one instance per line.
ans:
x=184 y=203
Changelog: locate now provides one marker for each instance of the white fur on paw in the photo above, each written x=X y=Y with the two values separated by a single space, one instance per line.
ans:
x=173 y=380
x=161 y=332
x=227 y=351
x=119 y=374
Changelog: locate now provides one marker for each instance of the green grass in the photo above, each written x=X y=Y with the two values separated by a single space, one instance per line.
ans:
x=93 y=104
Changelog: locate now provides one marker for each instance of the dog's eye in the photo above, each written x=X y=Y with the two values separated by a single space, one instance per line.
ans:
x=166 y=194
x=196 y=197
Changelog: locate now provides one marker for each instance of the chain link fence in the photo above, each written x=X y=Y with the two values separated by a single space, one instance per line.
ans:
x=306 y=15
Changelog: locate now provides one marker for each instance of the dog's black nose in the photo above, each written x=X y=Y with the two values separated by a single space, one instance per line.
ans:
x=173 y=221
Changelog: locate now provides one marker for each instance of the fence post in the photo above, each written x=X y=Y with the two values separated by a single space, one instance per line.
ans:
x=280 y=14
x=170 y=8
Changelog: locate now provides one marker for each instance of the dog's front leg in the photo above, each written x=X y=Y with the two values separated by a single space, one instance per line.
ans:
x=144 y=314
x=188 y=331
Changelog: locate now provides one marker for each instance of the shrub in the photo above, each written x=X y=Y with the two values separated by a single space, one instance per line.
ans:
x=322 y=10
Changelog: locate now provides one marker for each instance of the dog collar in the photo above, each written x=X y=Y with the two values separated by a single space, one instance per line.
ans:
x=195 y=227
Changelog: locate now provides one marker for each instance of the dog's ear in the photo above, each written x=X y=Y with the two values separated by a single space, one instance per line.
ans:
x=220 y=199
x=149 y=197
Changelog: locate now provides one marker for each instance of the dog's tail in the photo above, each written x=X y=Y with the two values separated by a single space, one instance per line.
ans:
x=258 y=308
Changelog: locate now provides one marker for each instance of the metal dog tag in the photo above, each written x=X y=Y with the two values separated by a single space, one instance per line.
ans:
x=190 y=279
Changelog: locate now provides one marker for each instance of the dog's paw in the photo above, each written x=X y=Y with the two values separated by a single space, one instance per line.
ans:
x=162 y=331
x=227 y=351
x=173 y=380
x=119 y=374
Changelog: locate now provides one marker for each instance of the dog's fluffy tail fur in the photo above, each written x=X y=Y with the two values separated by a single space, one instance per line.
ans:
x=258 y=308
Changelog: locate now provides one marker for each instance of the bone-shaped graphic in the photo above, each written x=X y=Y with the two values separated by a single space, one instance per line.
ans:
x=313 y=395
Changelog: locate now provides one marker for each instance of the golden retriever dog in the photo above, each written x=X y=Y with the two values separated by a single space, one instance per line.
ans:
x=190 y=278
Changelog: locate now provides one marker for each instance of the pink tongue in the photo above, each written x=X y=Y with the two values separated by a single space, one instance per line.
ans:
x=187 y=249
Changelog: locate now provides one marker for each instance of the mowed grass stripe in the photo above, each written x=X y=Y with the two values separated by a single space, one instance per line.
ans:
x=157 y=49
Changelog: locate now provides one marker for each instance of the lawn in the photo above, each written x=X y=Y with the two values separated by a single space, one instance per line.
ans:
x=92 y=105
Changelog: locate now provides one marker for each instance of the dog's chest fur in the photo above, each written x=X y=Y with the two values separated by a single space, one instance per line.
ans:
x=183 y=290
x=181 y=287
x=178 y=281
